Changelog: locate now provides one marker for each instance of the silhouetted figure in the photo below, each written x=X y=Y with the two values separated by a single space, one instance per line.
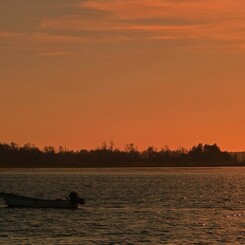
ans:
x=75 y=200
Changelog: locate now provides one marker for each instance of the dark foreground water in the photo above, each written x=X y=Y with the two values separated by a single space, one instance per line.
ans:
x=137 y=206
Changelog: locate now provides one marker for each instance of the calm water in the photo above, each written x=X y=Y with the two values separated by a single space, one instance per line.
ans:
x=137 y=206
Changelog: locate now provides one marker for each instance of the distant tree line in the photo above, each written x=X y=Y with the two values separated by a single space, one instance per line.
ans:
x=13 y=155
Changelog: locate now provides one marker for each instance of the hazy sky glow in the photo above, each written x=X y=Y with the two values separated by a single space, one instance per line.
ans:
x=163 y=72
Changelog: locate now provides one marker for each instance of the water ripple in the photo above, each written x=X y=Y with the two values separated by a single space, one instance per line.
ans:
x=136 y=207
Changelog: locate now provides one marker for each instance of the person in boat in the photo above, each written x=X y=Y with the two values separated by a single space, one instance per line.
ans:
x=75 y=200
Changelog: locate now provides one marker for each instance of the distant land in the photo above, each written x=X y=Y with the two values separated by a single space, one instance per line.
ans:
x=240 y=156
x=29 y=156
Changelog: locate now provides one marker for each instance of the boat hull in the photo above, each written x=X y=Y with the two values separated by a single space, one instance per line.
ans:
x=13 y=200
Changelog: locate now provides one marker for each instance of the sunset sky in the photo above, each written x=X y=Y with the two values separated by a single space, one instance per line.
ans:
x=77 y=73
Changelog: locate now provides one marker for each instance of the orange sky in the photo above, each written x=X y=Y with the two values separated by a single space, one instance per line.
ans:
x=163 y=72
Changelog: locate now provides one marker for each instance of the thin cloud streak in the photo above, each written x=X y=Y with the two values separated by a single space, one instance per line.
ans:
x=11 y=34
x=218 y=20
x=229 y=32
x=191 y=9
x=55 y=53
x=44 y=37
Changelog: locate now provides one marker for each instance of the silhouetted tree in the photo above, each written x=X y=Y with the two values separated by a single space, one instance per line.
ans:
x=150 y=154
x=196 y=153
x=13 y=155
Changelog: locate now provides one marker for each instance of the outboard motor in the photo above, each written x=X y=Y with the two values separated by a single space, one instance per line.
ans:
x=81 y=201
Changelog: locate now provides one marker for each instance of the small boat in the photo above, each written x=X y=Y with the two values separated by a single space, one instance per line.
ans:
x=13 y=200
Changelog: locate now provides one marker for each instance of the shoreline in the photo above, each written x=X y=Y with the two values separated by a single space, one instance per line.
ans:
x=70 y=170
x=124 y=165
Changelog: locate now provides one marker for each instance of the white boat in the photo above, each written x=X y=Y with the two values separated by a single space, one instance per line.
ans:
x=13 y=200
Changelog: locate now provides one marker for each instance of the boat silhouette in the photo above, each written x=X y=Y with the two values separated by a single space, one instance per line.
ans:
x=13 y=200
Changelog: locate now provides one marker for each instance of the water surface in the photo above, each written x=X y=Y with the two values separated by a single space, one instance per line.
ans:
x=128 y=206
